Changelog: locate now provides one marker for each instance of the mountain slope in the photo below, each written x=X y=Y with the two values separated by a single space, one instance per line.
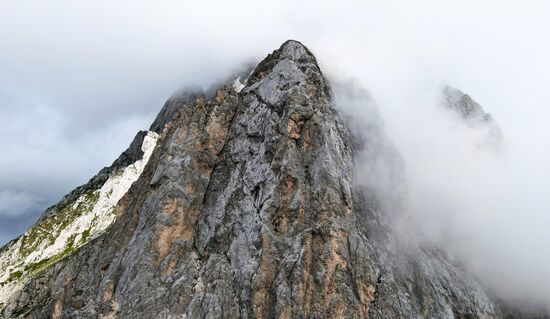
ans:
x=247 y=208
x=80 y=216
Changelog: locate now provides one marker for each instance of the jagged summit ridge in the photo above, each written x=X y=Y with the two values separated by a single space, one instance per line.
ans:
x=247 y=208
x=291 y=50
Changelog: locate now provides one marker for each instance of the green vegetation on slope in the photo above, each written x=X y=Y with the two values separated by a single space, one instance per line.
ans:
x=49 y=229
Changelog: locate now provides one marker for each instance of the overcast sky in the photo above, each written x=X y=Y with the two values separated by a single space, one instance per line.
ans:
x=79 y=78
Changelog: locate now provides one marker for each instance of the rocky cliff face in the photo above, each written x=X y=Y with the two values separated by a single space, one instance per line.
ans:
x=243 y=206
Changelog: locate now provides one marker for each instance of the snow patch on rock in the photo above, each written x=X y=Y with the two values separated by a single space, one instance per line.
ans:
x=238 y=85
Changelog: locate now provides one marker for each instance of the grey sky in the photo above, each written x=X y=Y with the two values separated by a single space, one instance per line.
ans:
x=79 y=78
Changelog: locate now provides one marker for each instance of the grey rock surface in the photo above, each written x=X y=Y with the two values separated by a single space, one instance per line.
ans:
x=248 y=208
x=473 y=115
x=171 y=106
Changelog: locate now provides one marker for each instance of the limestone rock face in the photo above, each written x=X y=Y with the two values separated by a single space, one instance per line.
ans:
x=248 y=208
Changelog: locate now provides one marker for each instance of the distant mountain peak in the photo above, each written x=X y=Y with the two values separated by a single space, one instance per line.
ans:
x=473 y=114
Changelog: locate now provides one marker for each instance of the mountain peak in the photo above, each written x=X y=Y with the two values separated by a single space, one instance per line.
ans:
x=241 y=205
x=473 y=115
x=290 y=50
x=295 y=50
x=462 y=103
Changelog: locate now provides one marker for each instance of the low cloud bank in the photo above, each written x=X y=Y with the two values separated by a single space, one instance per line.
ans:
x=442 y=181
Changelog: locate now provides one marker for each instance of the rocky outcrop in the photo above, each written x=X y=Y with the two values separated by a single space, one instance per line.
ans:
x=474 y=116
x=248 y=208
x=171 y=106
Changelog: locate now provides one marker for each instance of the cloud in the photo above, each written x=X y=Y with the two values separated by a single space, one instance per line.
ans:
x=80 y=78
x=488 y=209
x=12 y=203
